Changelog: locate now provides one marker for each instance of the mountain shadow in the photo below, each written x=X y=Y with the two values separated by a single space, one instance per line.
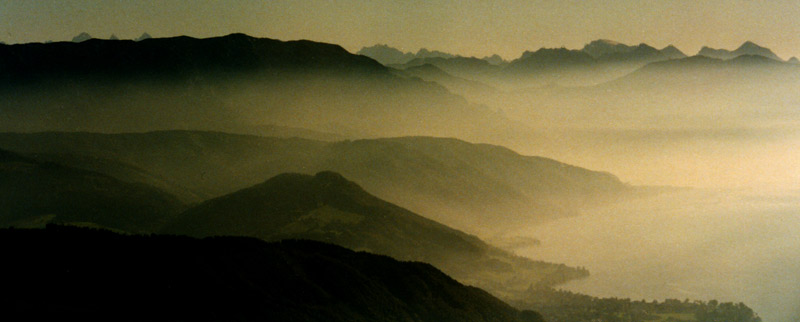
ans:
x=81 y=273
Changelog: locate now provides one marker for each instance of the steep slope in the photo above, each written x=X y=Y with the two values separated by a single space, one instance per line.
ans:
x=327 y=207
x=234 y=83
x=34 y=193
x=78 y=273
x=475 y=187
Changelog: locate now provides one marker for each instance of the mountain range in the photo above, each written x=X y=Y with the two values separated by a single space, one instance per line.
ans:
x=324 y=207
x=479 y=188
x=601 y=49
x=597 y=62
x=65 y=272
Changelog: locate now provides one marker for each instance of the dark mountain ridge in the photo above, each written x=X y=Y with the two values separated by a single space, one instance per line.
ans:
x=234 y=83
x=33 y=193
x=177 y=56
x=79 y=273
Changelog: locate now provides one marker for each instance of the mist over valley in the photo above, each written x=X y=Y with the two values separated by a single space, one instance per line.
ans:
x=569 y=182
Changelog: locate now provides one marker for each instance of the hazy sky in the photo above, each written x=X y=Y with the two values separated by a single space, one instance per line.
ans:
x=472 y=28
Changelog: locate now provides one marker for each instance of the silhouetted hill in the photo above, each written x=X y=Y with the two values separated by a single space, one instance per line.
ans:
x=64 y=272
x=34 y=193
x=747 y=48
x=327 y=207
x=476 y=187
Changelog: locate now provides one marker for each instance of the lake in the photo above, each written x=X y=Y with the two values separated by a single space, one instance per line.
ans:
x=729 y=245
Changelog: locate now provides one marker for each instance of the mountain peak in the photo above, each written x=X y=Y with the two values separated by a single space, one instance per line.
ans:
x=81 y=37
x=751 y=48
x=749 y=44
x=606 y=42
x=747 y=48
x=425 y=53
x=793 y=60
x=143 y=37
x=386 y=54
x=494 y=59
x=604 y=47
x=672 y=52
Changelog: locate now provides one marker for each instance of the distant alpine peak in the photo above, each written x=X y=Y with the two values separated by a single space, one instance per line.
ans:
x=607 y=42
x=143 y=37
x=750 y=44
x=794 y=60
x=82 y=37
x=747 y=48
x=672 y=52
x=603 y=47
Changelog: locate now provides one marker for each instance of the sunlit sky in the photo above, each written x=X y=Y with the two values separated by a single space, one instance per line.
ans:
x=470 y=28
